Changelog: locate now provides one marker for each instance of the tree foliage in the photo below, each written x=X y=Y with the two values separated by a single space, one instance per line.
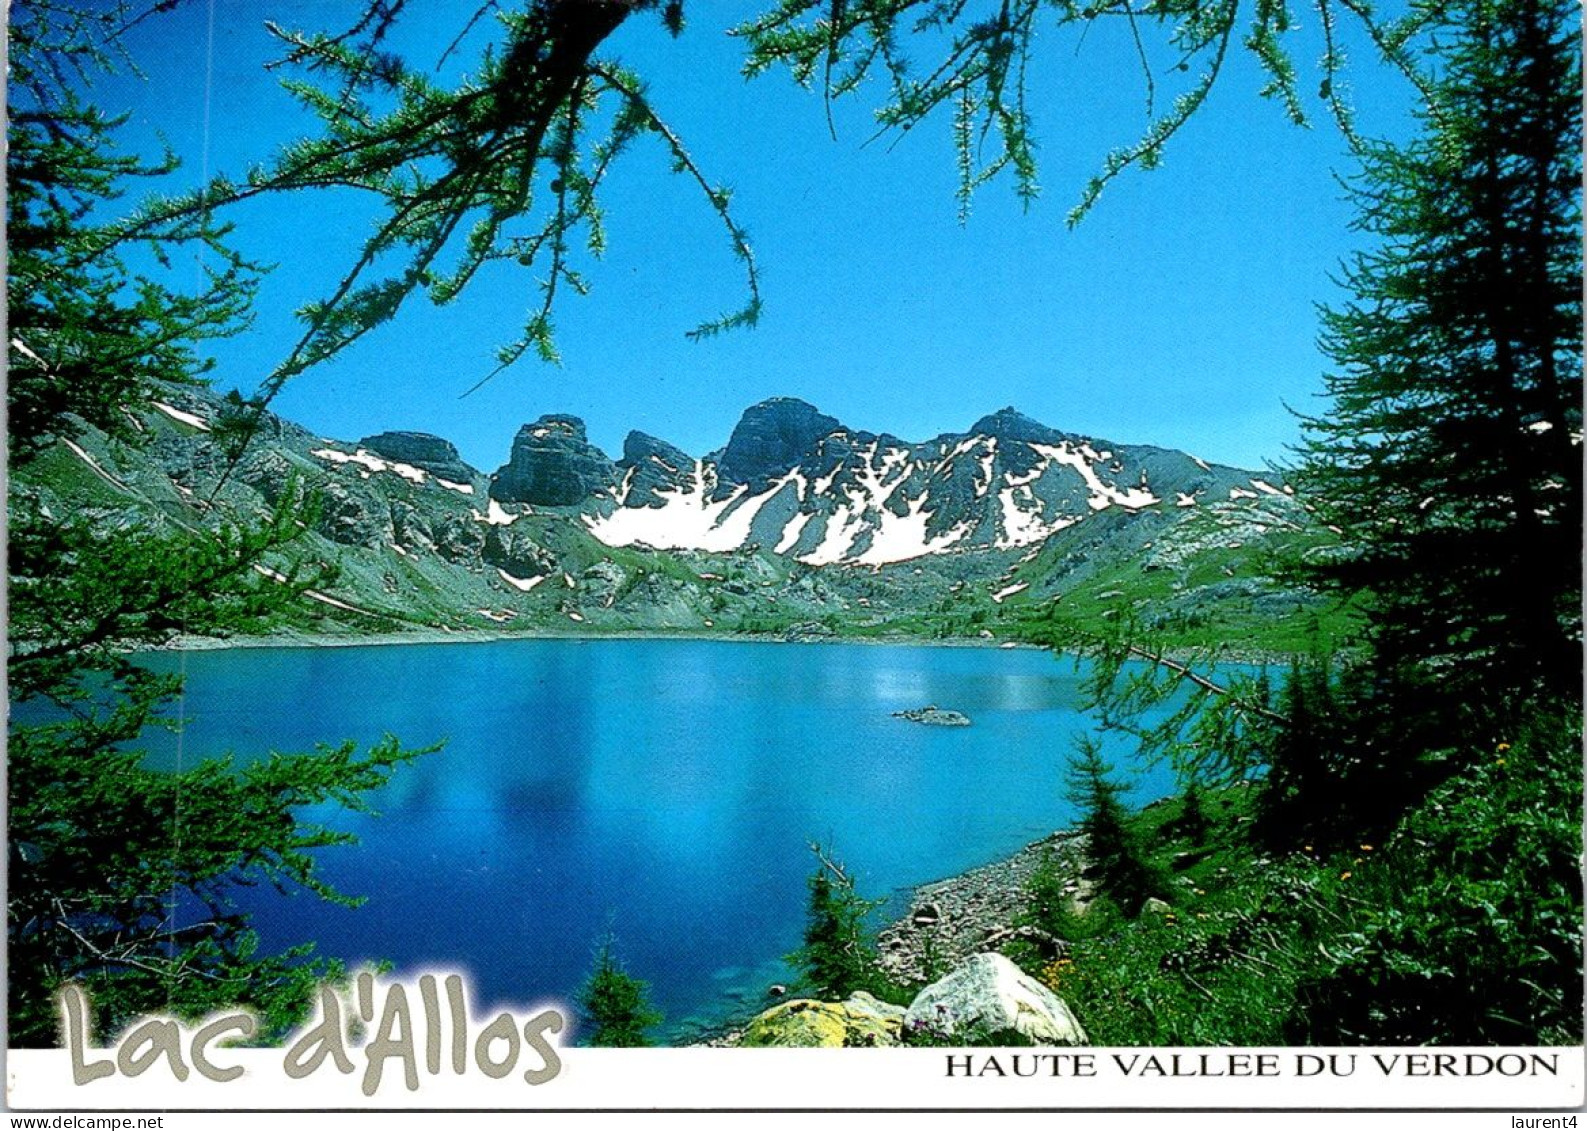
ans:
x=981 y=56
x=1416 y=877
x=1210 y=719
x=1461 y=927
x=838 y=955
x=1449 y=461
x=507 y=164
x=616 y=1004
x=87 y=336
x=1468 y=928
x=505 y=167
x=122 y=876
x=1116 y=862
x=1449 y=458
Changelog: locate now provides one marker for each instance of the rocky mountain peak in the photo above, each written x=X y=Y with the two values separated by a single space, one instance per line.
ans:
x=556 y=424
x=553 y=464
x=641 y=446
x=1009 y=424
x=423 y=450
x=770 y=438
x=656 y=468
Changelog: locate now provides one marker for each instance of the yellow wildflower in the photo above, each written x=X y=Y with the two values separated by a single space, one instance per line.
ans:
x=1344 y=875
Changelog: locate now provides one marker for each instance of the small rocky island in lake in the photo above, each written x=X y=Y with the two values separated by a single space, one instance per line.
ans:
x=934 y=716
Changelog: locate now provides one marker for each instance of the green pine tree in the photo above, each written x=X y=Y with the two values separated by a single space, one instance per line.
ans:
x=1116 y=862
x=1451 y=464
x=120 y=877
x=838 y=955
x=616 y=1004
x=1449 y=457
x=1193 y=822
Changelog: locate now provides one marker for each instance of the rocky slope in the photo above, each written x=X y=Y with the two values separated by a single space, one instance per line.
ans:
x=804 y=487
x=798 y=525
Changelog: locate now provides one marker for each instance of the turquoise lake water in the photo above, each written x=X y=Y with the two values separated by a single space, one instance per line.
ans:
x=667 y=790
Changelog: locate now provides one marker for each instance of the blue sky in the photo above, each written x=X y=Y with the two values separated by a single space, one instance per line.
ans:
x=1181 y=312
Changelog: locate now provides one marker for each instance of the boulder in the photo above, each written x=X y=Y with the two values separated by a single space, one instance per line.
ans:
x=422 y=450
x=987 y=995
x=859 y=1022
x=553 y=464
x=875 y=1022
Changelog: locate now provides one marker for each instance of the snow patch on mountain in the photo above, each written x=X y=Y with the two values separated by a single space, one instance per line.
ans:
x=188 y=418
x=371 y=463
x=843 y=528
x=1020 y=516
x=901 y=538
x=688 y=519
x=524 y=584
x=1103 y=495
x=791 y=532
x=803 y=486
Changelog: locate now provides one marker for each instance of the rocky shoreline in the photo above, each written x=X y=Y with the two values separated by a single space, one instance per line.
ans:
x=294 y=638
x=298 y=639
x=951 y=919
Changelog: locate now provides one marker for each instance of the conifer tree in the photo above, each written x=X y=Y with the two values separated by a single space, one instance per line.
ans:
x=121 y=877
x=1117 y=864
x=837 y=957
x=1449 y=456
x=616 y=1003
x=1193 y=823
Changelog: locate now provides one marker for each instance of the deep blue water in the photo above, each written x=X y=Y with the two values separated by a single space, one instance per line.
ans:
x=667 y=790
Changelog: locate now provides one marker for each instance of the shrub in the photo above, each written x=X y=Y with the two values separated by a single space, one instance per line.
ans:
x=1467 y=929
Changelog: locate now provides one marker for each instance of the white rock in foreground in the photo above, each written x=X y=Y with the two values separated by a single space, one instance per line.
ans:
x=989 y=993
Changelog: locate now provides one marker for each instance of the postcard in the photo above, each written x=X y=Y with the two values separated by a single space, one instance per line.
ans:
x=800 y=555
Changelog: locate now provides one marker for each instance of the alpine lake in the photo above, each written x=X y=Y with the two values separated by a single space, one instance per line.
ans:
x=664 y=791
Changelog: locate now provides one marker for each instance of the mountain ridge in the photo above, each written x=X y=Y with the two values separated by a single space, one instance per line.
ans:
x=804 y=485
x=815 y=528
